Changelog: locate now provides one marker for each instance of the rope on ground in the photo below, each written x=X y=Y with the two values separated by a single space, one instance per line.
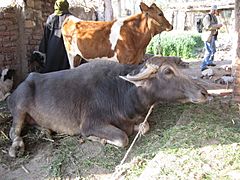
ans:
x=115 y=175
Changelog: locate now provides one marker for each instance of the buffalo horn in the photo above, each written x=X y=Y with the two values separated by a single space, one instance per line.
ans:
x=151 y=68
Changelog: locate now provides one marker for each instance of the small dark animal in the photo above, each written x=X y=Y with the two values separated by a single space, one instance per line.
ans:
x=37 y=61
x=104 y=99
x=6 y=83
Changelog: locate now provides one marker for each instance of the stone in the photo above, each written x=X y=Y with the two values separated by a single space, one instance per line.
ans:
x=207 y=73
x=29 y=24
x=30 y=3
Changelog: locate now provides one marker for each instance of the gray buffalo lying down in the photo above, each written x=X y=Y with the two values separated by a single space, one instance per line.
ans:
x=103 y=99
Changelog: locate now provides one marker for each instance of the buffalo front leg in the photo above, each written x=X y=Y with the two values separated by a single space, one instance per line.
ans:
x=111 y=135
x=142 y=127
x=15 y=132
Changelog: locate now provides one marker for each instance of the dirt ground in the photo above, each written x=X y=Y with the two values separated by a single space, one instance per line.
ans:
x=40 y=151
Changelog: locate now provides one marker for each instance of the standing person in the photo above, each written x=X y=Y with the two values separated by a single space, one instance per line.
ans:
x=52 y=42
x=209 y=36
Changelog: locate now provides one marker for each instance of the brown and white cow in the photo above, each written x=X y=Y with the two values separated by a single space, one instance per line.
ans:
x=122 y=40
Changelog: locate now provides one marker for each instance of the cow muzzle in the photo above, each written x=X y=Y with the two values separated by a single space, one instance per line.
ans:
x=169 y=28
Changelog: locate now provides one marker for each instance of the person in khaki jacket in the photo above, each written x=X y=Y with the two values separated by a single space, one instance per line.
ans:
x=209 y=36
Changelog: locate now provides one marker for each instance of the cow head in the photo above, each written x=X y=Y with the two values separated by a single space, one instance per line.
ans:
x=156 y=19
x=164 y=82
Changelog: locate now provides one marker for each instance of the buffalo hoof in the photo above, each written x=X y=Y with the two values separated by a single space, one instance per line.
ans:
x=17 y=145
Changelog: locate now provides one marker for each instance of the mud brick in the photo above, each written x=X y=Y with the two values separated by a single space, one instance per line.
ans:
x=14 y=33
x=7 y=44
x=14 y=37
x=29 y=24
x=6 y=39
x=28 y=31
x=29 y=14
x=1 y=57
x=9 y=15
x=37 y=37
x=12 y=27
x=38 y=5
x=6 y=22
x=4 y=33
x=3 y=27
x=33 y=42
x=30 y=3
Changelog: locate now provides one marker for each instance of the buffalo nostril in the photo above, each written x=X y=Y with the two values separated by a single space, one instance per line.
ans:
x=204 y=92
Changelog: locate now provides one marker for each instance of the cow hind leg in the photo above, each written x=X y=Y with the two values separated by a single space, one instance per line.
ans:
x=15 y=132
x=111 y=135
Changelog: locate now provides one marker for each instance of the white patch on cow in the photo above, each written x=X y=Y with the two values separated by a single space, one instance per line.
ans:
x=75 y=19
x=115 y=32
x=75 y=51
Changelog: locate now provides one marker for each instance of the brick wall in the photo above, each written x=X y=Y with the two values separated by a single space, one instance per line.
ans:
x=21 y=29
x=9 y=35
x=237 y=61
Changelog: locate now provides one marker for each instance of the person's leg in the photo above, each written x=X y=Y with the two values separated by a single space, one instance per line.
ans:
x=213 y=51
x=206 y=55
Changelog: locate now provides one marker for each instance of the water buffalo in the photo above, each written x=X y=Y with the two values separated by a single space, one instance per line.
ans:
x=104 y=99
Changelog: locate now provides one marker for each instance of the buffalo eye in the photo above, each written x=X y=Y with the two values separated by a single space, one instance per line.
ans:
x=168 y=71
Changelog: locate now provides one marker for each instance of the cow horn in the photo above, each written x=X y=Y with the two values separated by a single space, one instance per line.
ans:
x=151 y=68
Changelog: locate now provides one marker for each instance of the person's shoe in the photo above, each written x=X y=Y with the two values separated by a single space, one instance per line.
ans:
x=212 y=64
x=204 y=68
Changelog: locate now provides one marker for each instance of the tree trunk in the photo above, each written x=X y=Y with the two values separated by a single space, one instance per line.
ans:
x=237 y=57
x=108 y=10
x=119 y=8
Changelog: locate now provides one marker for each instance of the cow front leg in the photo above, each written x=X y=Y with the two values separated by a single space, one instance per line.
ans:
x=111 y=135
x=14 y=134
x=77 y=61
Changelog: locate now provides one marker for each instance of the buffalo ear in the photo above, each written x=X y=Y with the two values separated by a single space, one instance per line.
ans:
x=143 y=7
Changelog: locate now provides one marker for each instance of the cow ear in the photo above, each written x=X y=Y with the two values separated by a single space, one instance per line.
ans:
x=153 y=5
x=143 y=7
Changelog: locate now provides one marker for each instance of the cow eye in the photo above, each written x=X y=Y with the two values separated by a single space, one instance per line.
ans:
x=160 y=14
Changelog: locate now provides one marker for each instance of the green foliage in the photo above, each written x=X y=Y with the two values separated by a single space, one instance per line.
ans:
x=184 y=44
